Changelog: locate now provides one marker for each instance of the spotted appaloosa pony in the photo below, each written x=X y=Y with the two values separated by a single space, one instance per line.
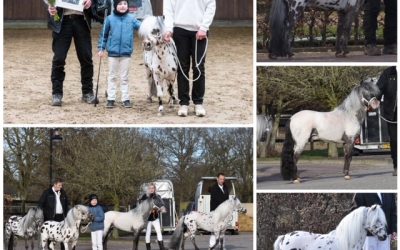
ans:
x=215 y=222
x=66 y=231
x=350 y=234
x=160 y=60
x=285 y=13
x=342 y=125
x=26 y=227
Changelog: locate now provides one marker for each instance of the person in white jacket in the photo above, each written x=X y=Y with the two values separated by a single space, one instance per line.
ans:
x=188 y=22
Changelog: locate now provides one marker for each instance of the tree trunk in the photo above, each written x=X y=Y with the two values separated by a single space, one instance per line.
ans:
x=332 y=150
x=116 y=208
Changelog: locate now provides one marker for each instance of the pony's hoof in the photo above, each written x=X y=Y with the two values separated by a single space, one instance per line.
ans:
x=296 y=181
x=347 y=177
x=149 y=100
x=340 y=55
x=175 y=102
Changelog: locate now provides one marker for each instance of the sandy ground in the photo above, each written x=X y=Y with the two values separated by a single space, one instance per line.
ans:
x=242 y=241
x=367 y=172
x=27 y=87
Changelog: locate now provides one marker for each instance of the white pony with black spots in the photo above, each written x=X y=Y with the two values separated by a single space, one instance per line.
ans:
x=215 y=222
x=26 y=227
x=160 y=60
x=66 y=231
x=350 y=234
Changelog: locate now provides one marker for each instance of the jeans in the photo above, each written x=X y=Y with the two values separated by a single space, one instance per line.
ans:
x=185 y=41
x=73 y=26
x=372 y=8
x=118 y=68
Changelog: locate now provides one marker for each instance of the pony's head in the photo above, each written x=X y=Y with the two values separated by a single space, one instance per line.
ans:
x=82 y=213
x=376 y=222
x=151 y=31
x=34 y=218
x=157 y=201
x=237 y=205
x=369 y=92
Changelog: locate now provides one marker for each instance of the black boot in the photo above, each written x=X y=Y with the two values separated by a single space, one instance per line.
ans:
x=161 y=245
x=148 y=247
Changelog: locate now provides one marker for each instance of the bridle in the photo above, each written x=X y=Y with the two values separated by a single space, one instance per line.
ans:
x=367 y=103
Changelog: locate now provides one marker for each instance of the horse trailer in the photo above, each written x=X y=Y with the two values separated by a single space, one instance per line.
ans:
x=374 y=135
x=203 y=198
x=165 y=189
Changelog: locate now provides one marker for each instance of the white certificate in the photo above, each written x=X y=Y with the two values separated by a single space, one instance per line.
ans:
x=70 y=4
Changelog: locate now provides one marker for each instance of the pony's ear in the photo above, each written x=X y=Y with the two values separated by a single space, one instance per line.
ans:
x=374 y=207
x=234 y=197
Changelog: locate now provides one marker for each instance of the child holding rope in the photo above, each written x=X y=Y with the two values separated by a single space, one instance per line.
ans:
x=117 y=35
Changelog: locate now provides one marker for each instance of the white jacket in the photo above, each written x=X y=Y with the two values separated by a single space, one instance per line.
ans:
x=191 y=15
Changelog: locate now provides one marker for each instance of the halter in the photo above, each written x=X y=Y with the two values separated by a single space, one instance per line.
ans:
x=195 y=59
x=366 y=102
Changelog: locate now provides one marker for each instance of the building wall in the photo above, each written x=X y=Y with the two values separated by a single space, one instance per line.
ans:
x=229 y=10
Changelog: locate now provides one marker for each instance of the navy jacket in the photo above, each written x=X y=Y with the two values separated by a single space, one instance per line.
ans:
x=98 y=222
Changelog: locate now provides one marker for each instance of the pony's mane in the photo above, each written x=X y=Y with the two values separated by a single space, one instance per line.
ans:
x=150 y=23
x=28 y=219
x=142 y=207
x=227 y=206
x=350 y=228
x=70 y=219
x=352 y=103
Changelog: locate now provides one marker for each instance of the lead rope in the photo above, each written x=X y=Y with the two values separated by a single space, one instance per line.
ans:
x=195 y=59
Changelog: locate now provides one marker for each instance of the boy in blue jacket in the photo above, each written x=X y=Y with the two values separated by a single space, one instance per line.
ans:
x=117 y=37
x=97 y=225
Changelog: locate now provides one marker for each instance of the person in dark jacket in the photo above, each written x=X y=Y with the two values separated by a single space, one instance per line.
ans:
x=219 y=193
x=388 y=204
x=97 y=226
x=71 y=24
x=153 y=219
x=387 y=84
x=54 y=203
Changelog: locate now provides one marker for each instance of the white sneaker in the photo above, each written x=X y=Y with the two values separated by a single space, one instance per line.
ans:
x=183 y=110
x=199 y=110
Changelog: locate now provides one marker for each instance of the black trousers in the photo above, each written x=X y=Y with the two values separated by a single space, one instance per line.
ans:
x=185 y=41
x=372 y=8
x=392 y=129
x=73 y=27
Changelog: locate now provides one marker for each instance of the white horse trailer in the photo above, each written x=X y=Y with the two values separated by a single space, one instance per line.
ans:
x=165 y=189
x=203 y=198
x=374 y=136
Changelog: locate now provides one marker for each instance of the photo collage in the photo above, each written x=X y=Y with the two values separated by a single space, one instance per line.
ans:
x=199 y=124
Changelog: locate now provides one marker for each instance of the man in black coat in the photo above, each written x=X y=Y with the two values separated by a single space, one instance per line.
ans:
x=388 y=205
x=54 y=203
x=219 y=193
x=387 y=84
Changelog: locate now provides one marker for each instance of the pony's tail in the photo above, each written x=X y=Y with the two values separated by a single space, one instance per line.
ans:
x=287 y=161
x=178 y=234
x=278 y=29
x=278 y=241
